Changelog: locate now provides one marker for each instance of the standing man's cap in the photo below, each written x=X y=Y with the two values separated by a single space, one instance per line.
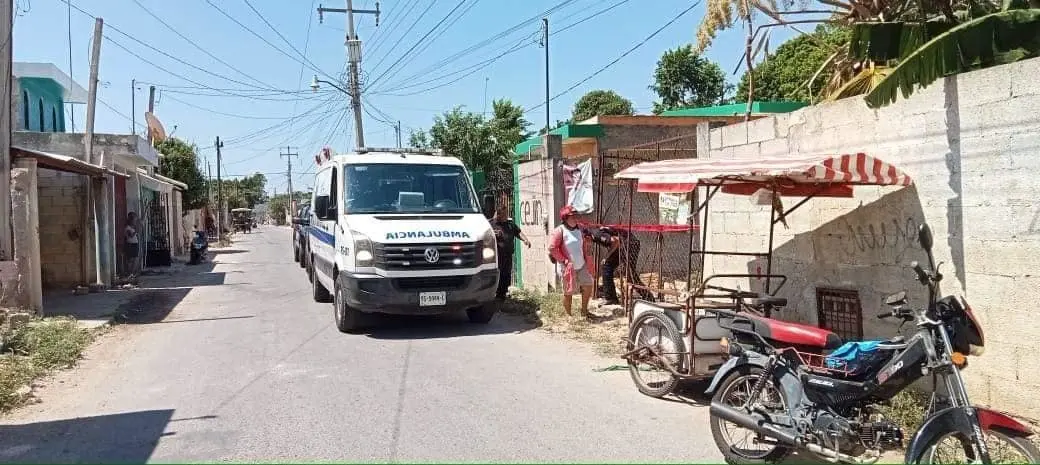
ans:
x=566 y=212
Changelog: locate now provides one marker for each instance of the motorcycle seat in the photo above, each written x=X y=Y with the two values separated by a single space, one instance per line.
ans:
x=795 y=333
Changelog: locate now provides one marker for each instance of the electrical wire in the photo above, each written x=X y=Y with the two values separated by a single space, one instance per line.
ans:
x=303 y=55
x=399 y=39
x=490 y=40
x=264 y=40
x=197 y=46
x=419 y=42
x=616 y=60
x=161 y=52
x=217 y=112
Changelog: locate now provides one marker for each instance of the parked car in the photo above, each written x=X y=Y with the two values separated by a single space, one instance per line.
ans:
x=300 y=221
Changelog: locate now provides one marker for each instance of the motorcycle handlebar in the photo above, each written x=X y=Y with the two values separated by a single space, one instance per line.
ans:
x=922 y=276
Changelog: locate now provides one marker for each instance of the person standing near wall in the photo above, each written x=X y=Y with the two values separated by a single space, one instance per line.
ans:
x=567 y=252
x=506 y=233
x=132 y=247
x=622 y=251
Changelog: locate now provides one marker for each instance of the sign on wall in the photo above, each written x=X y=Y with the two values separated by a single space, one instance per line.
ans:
x=673 y=208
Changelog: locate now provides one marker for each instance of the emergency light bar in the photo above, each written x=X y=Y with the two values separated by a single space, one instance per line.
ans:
x=401 y=150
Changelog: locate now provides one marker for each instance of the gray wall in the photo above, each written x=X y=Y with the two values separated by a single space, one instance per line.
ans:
x=970 y=142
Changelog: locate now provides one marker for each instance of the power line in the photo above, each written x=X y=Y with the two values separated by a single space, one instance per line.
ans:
x=264 y=40
x=306 y=44
x=616 y=60
x=160 y=51
x=217 y=112
x=376 y=43
x=420 y=41
x=399 y=39
x=387 y=23
x=489 y=40
x=303 y=55
x=196 y=45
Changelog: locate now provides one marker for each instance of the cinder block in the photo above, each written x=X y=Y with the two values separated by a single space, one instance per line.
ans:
x=734 y=135
x=980 y=87
x=761 y=130
x=1024 y=78
x=775 y=148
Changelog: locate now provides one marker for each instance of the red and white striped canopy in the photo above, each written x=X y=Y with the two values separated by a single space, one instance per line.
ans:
x=683 y=175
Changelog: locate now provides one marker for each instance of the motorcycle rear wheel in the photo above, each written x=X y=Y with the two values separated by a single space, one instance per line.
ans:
x=654 y=330
x=744 y=378
x=1022 y=449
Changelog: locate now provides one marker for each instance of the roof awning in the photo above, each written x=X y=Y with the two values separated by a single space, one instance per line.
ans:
x=832 y=175
x=64 y=163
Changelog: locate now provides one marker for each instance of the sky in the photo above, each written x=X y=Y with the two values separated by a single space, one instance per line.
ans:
x=241 y=69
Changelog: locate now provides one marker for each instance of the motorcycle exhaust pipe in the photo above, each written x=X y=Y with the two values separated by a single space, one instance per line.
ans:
x=756 y=423
x=752 y=422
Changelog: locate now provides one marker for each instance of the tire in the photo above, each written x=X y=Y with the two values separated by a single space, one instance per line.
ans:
x=738 y=377
x=348 y=320
x=303 y=259
x=1027 y=451
x=296 y=254
x=481 y=315
x=668 y=332
x=318 y=291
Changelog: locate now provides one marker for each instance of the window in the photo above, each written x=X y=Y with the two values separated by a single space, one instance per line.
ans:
x=407 y=188
x=25 y=111
x=840 y=312
x=54 y=119
x=43 y=128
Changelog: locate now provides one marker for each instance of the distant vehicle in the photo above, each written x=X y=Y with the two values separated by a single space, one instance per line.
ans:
x=242 y=219
x=399 y=231
x=300 y=221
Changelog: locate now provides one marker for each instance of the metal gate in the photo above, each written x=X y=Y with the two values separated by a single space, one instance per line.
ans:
x=158 y=245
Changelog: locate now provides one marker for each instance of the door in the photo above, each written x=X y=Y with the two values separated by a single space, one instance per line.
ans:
x=158 y=244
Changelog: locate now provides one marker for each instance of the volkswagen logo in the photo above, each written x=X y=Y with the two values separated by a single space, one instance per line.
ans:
x=432 y=255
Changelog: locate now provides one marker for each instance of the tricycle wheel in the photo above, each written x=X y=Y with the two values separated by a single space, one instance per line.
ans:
x=659 y=345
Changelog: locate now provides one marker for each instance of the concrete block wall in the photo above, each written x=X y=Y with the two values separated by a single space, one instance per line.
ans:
x=61 y=197
x=535 y=219
x=970 y=143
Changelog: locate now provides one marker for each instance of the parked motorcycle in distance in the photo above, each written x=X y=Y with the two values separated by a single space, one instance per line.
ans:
x=827 y=405
x=199 y=246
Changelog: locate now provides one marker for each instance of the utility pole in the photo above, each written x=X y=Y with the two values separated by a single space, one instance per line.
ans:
x=133 y=107
x=96 y=191
x=397 y=129
x=6 y=35
x=220 y=193
x=354 y=58
x=545 y=43
x=151 y=109
x=288 y=158
x=209 y=181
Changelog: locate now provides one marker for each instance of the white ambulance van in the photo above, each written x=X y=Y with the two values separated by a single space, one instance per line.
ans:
x=399 y=231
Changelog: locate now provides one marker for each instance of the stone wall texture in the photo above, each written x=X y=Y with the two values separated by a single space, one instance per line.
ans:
x=971 y=143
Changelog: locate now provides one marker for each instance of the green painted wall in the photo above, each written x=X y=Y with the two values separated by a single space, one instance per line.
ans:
x=42 y=106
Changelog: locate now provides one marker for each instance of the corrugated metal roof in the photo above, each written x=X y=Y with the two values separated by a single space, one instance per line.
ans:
x=64 y=163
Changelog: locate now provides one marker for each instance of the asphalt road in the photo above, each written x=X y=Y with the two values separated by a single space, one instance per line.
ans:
x=234 y=362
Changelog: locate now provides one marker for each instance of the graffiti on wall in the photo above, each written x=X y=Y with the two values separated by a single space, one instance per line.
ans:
x=531 y=212
x=896 y=234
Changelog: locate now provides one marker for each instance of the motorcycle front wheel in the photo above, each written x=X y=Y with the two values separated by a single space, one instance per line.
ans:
x=1004 y=447
x=739 y=445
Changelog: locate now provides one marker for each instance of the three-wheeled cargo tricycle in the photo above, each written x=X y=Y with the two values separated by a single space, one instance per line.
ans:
x=679 y=335
x=242 y=220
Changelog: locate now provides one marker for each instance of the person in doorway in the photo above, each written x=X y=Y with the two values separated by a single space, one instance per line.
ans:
x=567 y=252
x=622 y=251
x=132 y=247
x=506 y=233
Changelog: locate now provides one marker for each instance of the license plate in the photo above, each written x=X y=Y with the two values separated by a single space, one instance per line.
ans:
x=431 y=299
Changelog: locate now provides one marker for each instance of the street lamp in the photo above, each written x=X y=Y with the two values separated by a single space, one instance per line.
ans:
x=315 y=85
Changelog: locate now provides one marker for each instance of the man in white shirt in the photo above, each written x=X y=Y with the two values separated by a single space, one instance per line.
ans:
x=132 y=246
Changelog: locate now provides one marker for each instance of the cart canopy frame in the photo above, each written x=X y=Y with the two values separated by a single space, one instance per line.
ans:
x=807 y=176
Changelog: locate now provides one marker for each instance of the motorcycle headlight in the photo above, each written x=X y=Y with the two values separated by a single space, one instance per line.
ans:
x=362 y=249
x=488 y=247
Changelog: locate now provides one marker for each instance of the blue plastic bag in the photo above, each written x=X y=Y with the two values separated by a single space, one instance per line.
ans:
x=853 y=356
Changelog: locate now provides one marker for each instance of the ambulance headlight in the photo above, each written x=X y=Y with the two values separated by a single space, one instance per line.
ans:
x=489 y=248
x=362 y=249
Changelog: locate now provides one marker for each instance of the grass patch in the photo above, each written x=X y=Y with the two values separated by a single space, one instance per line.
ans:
x=34 y=350
x=545 y=310
x=907 y=409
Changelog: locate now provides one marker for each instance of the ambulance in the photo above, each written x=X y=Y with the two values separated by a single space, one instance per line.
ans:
x=399 y=231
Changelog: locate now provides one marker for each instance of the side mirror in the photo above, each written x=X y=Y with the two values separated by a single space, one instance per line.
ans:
x=321 y=207
x=897 y=299
x=301 y=221
x=924 y=236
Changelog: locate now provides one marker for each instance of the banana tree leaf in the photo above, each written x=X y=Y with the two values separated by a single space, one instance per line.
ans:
x=994 y=39
x=861 y=83
x=876 y=41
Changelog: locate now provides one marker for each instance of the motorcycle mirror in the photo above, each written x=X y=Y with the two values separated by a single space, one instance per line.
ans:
x=896 y=299
x=924 y=236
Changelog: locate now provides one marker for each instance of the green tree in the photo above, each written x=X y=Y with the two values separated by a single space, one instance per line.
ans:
x=601 y=102
x=180 y=161
x=541 y=130
x=684 y=79
x=785 y=75
x=419 y=139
